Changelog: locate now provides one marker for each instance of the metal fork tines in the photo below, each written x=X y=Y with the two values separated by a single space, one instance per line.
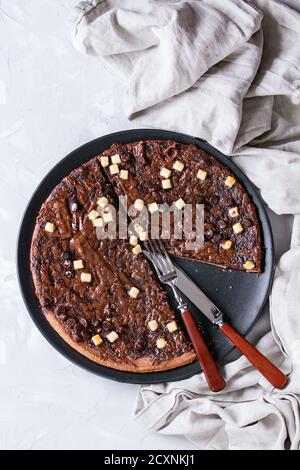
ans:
x=164 y=267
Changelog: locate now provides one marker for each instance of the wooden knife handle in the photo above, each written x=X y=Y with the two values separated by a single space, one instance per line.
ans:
x=213 y=375
x=258 y=360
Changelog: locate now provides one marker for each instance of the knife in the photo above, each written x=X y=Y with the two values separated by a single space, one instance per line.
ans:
x=277 y=378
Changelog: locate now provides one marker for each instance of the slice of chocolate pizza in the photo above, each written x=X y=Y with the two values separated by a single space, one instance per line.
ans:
x=153 y=173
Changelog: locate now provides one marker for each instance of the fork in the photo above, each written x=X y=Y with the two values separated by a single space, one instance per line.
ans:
x=157 y=254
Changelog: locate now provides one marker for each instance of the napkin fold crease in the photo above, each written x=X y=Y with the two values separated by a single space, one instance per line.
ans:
x=228 y=72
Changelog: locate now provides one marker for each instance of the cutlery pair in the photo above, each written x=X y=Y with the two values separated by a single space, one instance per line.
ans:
x=169 y=274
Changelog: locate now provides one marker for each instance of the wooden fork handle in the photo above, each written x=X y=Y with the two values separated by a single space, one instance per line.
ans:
x=258 y=360
x=213 y=375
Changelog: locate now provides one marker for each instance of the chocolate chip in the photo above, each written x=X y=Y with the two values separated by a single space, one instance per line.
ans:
x=209 y=234
x=216 y=237
x=139 y=345
x=221 y=224
x=95 y=322
x=69 y=274
x=60 y=310
x=76 y=338
x=66 y=255
x=83 y=322
x=77 y=328
x=71 y=322
x=85 y=334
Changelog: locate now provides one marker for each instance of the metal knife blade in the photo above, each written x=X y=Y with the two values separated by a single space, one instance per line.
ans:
x=197 y=297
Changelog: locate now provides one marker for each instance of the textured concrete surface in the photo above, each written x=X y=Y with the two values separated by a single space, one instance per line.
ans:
x=52 y=100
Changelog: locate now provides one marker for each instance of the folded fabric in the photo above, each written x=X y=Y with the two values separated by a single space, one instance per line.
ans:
x=170 y=54
x=247 y=415
x=227 y=72
x=163 y=50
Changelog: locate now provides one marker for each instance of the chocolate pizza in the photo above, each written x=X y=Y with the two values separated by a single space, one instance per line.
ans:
x=98 y=291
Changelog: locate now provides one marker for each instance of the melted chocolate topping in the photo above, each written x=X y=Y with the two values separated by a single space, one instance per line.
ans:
x=104 y=305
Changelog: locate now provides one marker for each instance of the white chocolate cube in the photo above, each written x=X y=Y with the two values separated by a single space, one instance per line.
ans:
x=116 y=159
x=139 y=204
x=230 y=181
x=152 y=325
x=112 y=336
x=99 y=222
x=124 y=174
x=201 y=175
x=237 y=228
x=137 y=250
x=104 y=161
x=97 y=340
x=133 y=240
x=178 y=166
x=166 y=184
x=180 y=203
x=153 y=207
x=161 y=343
x=102 y=201
x=93 y=215
x=172 y=326
x=165 y=173
x=233 y=212
x=85 y=277
x=114 y=169
x=49 y=227
x=226 y=245
x=78 y=264
x=248 y=265
x=133 y=292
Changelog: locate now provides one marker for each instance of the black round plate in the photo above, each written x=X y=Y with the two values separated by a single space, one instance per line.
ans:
x=240 y=295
